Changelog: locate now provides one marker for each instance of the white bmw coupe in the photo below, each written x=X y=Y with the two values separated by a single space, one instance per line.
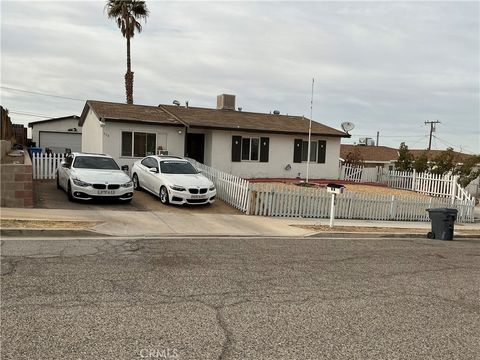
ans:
x=173 y=179
x=87 y=176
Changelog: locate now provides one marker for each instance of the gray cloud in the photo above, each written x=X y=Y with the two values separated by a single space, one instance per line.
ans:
x=386 y=66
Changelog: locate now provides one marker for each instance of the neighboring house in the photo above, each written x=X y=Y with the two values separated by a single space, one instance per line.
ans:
x=370 y=156
x=246 y=144
x=385 y=157
x=57 y=134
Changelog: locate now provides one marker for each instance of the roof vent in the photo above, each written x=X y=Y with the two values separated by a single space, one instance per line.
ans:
x=176 y=102
x=239 y=108
x=226 y=102
x=276 y=112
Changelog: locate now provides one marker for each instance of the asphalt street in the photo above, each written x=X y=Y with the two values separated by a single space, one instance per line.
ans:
x=240 y=298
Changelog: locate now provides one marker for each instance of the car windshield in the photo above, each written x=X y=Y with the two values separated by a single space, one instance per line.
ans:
x=95 y=162
x=177 y=167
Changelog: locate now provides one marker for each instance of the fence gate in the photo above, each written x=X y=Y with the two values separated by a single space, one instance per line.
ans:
x=44 y=166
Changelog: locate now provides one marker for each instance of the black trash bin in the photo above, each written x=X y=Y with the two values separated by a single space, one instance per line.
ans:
x=443 y=220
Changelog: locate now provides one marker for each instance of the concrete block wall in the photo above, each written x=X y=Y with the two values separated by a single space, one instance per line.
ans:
x=17 y=184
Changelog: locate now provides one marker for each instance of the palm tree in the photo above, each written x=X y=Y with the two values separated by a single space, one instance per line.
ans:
x=127 y=14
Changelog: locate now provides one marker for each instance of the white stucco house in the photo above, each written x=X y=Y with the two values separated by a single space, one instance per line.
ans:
x=57 y=134
x=246 y=144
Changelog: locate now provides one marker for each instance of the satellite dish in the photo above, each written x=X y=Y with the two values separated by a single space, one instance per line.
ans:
x=347 y=126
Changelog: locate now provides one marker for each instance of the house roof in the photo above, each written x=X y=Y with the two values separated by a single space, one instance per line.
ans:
x=370 y=153
x=207 y=118
x=128 y=112
x=31 y=124
x=388 y=154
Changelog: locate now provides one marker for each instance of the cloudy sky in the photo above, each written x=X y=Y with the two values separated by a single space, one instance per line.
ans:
x=385 y=66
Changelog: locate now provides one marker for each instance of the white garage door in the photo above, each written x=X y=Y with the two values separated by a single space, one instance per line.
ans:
x=58 y=141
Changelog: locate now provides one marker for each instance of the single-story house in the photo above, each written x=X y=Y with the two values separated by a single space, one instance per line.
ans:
x=57 y=134
x=370 y=156
x=246 y=144
x=386 y=157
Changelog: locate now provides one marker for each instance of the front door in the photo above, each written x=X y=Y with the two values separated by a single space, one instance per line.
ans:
x=195 y=146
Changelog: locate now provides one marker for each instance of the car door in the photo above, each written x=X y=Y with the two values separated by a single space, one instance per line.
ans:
x=146 y=177
x=64 y=171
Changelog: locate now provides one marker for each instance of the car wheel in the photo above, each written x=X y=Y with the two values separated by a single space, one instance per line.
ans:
x=431 y=235
x=164 y=195
x=58 y=182
x=136 y=183
x=69 y=193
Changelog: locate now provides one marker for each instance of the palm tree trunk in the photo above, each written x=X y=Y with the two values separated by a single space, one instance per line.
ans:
x=129 y=76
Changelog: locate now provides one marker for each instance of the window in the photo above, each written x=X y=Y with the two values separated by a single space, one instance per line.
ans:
x=313 y=151
x=94 y=162
x=250 y=149
x=138 y=144
x=150 y=162
x=317 y=151
x=177 y=167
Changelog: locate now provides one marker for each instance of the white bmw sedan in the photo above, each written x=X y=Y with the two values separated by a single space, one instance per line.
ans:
x=87 y=176
x=173 y=179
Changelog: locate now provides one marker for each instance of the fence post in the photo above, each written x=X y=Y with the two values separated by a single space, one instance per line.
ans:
x=414 y=177
x=454 y=187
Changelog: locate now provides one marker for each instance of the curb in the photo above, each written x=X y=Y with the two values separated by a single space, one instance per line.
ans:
x=67 y=233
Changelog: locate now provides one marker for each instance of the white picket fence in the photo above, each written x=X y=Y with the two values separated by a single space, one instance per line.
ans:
x=230 y=188
x=359 y=174
x=44 y=166
x=291 y=201
x=426 y=183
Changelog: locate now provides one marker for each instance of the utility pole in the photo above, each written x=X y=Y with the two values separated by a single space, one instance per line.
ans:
x=432 y=129
x=378 y=136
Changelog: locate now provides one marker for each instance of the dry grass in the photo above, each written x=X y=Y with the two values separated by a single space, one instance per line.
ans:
x=45 y=224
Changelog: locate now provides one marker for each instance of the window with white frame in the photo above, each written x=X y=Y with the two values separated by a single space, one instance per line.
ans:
x=250 y=149
x=138 y=144
x=313 y=151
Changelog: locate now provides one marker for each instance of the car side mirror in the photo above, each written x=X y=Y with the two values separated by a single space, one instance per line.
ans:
x=153 y=170
x=199 y=171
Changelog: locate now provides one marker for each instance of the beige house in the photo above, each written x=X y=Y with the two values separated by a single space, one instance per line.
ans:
x=57 y=134
x=246 y=144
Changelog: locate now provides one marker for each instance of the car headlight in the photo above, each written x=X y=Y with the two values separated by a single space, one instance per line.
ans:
x=127 y=184
x=177 y=188
x=211 y=188
x=81 y=183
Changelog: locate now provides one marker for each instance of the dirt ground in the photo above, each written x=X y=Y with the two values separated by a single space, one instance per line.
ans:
x=45 y=224
x=47 y=196
x=362 y=188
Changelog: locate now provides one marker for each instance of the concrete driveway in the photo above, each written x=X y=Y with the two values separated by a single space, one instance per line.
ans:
x=47 y=196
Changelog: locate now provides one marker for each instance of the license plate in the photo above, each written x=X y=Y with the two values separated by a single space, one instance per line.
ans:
x=106 y=192
x=198 y=197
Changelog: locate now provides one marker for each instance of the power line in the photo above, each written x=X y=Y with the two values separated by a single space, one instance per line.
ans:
x=462 y=149
x=30 y=114
x=41 y=94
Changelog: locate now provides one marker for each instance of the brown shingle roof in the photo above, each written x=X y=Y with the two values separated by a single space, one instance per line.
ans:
x=370 y=153
x=249 y=121
x=128 y=112
x=207 y=118
x=384 y=153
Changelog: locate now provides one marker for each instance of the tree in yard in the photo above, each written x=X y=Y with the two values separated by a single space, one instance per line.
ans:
x=127 y=14
x=405 y=159
x=468 y=171
x=421 y=163
x=354 y=158
x=444 y=163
